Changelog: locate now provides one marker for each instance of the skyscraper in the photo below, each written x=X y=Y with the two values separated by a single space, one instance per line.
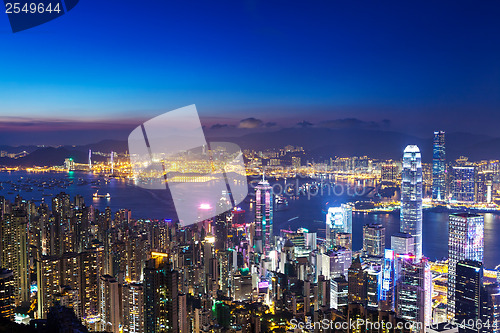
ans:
x=263 y=215
x=462 y=183
x=109 y=304
x=465 y=242
x=6 y=294
x=439 y=167
x=387 y=292
x=338 y=220
x=374 y=239
x=357 y=280
x=133 y=308
x=14 y=245
x=160 y=295
x=402 y=243
x=413 y=292
x=411 y=196
x=468 y=292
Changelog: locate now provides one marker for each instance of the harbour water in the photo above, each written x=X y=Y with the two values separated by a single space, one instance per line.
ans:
x=301 y=211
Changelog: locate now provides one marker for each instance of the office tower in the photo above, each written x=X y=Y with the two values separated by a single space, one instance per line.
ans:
x=414 y=291
x=468 y=292
x=484 y=186
x=373 y=286
x=221 y=231
x=465 y=242
x=374 y=239
x=344 y=240
x=462 y=183
x=357 y=279
x=109 y=304
x=402 y=243
x=389 y=173
x=338 y=220
x=411 y=196
x=160 y=295
x=7 y=299
x=133 y=308
x=493 y=295
x=439 y=167
x=387 y=292
x=339 y=291
x=340 y=260
x=14 y=244
x=264 y=203
x=242 y=285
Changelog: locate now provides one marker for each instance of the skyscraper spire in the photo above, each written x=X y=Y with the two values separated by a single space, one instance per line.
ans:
x=90 y=159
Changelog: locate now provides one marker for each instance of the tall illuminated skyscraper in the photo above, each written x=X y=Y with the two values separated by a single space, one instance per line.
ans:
x=469 y=289
x=411 y=196
x=6 y=294
x=160 y=295
x=263 y=215
x=133 y=308
x=439 y=167
x=374 y=239
x=14 y=245
x=338 y=220
x=413 y=291
x=465 y=242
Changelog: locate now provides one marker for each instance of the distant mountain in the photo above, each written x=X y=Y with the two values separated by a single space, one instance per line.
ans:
x=320 y=144
x=323 y=143
x=105 y=146
x=48 y=156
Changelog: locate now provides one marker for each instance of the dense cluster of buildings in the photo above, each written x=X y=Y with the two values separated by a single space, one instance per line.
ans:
x=100 y=271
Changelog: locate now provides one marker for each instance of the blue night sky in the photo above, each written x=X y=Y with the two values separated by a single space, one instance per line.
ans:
x=108 y=65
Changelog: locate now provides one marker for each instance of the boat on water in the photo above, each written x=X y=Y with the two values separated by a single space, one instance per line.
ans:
x=97 y=195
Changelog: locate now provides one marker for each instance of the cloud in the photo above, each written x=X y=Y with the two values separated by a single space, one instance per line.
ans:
x=304 y=123
x=219 y=126
x=250 y=123
x=353 y=123
x=270 y=124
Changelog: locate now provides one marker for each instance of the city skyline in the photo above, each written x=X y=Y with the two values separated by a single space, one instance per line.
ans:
x=250 y=167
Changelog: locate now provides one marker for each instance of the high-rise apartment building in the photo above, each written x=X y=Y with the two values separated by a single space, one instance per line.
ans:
x=7 y=299
x=109 y=304
x=133 y=308
x=14 y=246
x=160 y=295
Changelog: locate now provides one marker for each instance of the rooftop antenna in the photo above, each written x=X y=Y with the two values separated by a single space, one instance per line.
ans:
x=263 y=175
